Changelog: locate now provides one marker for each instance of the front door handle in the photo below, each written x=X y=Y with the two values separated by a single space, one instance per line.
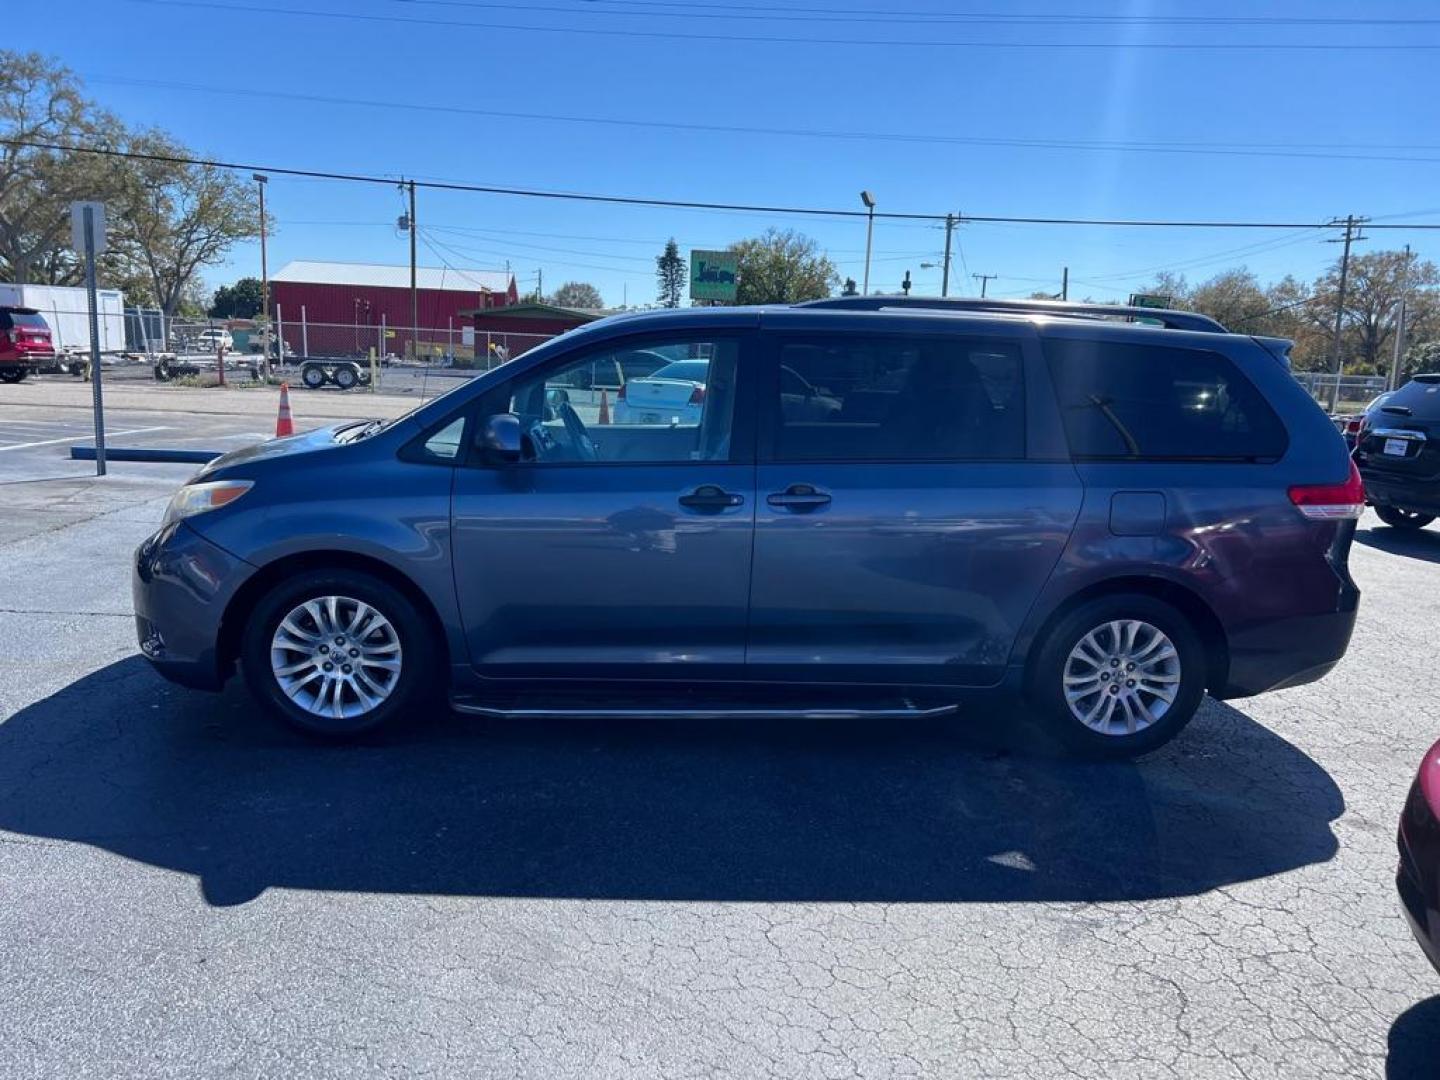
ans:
x=710 y=498
x=800 y=498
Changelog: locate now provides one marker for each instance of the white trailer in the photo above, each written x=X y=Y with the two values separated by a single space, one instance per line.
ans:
x=65 y=309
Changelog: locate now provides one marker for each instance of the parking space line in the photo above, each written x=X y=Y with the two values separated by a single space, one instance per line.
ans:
x=80 y=438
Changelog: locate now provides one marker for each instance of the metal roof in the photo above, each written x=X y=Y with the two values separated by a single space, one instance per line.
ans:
x=375 y=275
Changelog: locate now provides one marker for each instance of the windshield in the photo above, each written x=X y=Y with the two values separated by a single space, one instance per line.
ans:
x=27 y=320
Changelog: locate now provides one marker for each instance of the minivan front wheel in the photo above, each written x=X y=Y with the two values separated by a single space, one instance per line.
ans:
x=1118 y=676
x=337 y=653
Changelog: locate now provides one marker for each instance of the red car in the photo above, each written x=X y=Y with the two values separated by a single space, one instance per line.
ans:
x=24 y=343
x=1419 y=873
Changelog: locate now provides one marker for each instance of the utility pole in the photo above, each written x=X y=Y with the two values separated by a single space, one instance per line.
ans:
x=869 y=201
x=260 y=181
x=540 y=285
x=984 y=280
x=1400 y=315
x=945 y=274
x=1352 y=227
x=1065 y=283
x=414 y=293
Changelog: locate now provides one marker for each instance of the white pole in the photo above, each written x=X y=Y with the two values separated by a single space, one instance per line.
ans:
x=304 y=333
x=279 y=338
x=381 y=330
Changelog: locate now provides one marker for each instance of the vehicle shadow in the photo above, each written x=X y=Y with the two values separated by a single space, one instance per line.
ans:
x=955 y=810
x=1414 y=1042
x=1414 y=543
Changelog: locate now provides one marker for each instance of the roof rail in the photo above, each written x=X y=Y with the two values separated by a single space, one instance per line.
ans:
x=1171 y=320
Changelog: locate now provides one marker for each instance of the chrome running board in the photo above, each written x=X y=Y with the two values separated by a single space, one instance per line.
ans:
x=670 y=713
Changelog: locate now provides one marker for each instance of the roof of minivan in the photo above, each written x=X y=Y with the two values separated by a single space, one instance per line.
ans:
x=1048 y=319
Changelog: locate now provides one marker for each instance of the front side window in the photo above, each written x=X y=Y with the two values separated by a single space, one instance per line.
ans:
x=1146 y=402
x=931 y=398
x=667 y=401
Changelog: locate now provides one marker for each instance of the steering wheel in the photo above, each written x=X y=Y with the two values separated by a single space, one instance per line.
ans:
x=579 y=435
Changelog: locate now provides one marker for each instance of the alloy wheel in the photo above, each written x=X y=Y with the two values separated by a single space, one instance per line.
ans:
x=1121 y=677
x=336 y=657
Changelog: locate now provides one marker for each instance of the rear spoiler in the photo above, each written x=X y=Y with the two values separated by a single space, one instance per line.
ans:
x=1277 y=347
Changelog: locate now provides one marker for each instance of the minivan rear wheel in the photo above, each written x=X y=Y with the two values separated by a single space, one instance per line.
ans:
x=1403 y=519
x=338 y=653
x=1118 y=676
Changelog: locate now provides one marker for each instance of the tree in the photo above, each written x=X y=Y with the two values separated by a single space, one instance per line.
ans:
x=1420 y=359
x=577 y=294
x=1377 y=281
x=239 y=301
x=782 y=267
x=172 y=219
x=671 y=274
x=40 y=101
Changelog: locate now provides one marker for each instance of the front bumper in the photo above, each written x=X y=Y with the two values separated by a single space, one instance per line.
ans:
x=182 y=584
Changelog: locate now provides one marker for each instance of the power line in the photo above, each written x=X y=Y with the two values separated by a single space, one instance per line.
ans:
x=1068 y=44
x=1264 y=150
x=628 y=8
x=688 y=204
x=1049 y=17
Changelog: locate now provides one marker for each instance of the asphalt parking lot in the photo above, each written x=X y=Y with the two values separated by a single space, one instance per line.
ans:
x=188 y=889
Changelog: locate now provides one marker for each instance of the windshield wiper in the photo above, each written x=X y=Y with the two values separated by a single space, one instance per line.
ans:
x=361 y=429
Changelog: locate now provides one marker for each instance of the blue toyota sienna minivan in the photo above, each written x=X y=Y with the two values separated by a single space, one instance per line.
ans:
x=858 y=507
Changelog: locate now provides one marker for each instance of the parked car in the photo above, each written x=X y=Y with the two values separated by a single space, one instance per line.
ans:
x=1399 y=455
x=1418 y=875
x=1351 y=424
x=25 y=343
x=207 y=341
x=674 y=394
x=1107 y=518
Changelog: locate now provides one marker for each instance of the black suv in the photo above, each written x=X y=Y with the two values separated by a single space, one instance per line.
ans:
x=1398 y=453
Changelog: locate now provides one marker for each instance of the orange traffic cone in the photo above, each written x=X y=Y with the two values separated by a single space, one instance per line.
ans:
x=604 y=408
x=284 y=425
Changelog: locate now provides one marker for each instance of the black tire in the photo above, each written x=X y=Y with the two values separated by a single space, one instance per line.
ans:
x=1403 y=519
x=163 y=373
x=345 y=377
x=1050 y=662
x=419 y=672
x=313 y=376
x=13 y=374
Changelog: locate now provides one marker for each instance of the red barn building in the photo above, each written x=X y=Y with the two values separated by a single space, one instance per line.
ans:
x=329 y=308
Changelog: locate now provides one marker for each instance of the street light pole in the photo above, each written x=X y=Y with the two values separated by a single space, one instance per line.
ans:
x=260 y=181
x=869 y=201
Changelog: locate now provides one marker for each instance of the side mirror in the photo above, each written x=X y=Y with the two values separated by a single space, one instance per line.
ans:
x=500 y=439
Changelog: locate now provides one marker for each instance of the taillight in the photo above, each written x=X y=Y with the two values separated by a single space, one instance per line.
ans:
x=1331 y=502
x=620 y=394
x=4 y=341
x=1352 y=427
x=697 y=396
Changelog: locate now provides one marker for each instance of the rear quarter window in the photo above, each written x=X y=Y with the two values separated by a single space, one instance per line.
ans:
x=1152 y=403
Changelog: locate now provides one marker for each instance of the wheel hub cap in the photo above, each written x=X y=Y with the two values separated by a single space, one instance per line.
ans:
x=343 y=680
x=1122 y=677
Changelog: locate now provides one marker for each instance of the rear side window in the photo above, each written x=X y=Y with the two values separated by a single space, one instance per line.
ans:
x=28 y=320
x=1421 y=396
x=1150 y=403
x=917 y=398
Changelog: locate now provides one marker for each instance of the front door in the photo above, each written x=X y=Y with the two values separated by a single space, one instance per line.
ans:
x=902 y=532
x=619 y=546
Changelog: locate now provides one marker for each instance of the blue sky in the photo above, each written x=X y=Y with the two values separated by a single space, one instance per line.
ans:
x=231 y=78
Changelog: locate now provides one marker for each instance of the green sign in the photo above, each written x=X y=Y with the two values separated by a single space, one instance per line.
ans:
x=1151 y=300
x=713 y=275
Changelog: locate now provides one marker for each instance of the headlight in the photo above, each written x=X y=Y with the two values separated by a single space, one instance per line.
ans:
x=195 y=499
